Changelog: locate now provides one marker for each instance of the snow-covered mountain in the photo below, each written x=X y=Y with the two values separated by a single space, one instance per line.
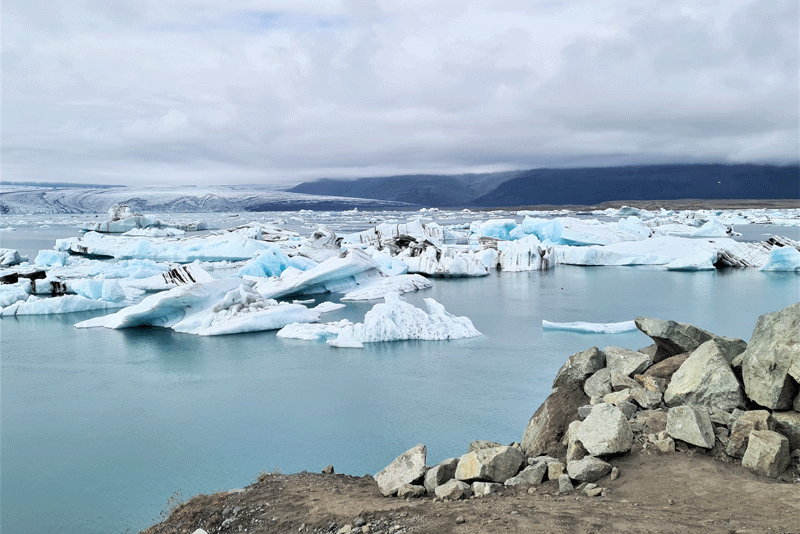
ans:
x=33 y=200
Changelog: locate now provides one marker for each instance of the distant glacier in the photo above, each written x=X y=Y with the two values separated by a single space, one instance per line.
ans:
x=18 y=199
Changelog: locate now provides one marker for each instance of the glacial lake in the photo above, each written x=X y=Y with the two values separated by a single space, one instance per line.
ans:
x=101 y=427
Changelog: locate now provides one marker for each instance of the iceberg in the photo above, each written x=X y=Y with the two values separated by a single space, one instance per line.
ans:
x=396 y=320
x=327 y=307
x=322 y=245
x=587 y=232
x=384 y=233
x=313 y=331
x=11 y=293
x=447 y=262
x=700 y=260
x=782 y=259
x=591 y=328
x=56 y=305
x=712 y=228
x=218 y=307
x=496 y=228
x=338 y=275
x=404 y=283
x=526 y=254
x=545 y=230
x=270 y=262
x=51 y=258
x=9 y=257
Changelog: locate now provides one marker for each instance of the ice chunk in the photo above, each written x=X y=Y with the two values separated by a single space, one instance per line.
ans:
x=270 y=262
x=545 y=230
x=377 y=289
x=591 y=328
x=712 y=228
x=217 y=307
x=654 y=251
x=395 y=319
x=782 y=259
x=526 y=254
x=56 y=305
x=313 y=331
x=51 y=258
x=11 y=293
x=386 y=232
x=322 y=244
x=9 y=257
x=447 y=262
x=327 y=307
x=339 y=274
x=181 y=275
x=586 y=232
x=700 y=260
x=496 y=228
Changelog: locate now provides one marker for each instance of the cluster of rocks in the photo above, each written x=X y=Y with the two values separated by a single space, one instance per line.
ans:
x=690 y=388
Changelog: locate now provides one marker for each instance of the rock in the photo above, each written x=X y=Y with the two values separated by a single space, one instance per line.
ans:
x=479 y=444
x=588 y=470
x=327 y=470
x=650 y=350
x=555 y=470
x=741 y=428
x=534 y=474
x=771 y=363
x=705 y=379
x=621 y=381
x=480 y=489
x=199 y=531
x=666 y=368
x=721 y=417
x=723 y=435
x=796 y=404
x=645 y=398
x=605 y=431
x=584 y=411
x=627 y=362
x=599 y=384
x=564 y=484
x=405 y=469
x=580 y=366
x=691 y=424
x=767 y=453
x=672 y=338
x=410 y=491
x=614 y=473
x=628 y=408
x=438 y=475
x=665 y=445
x=649 y=421
x=593 y=492
x=617 y=397
x=575 y=449
x=546 y=428
x=454 y=489
x=460 y=520
x=652 y=383
x=495 y=464
x=515 y=481
x=788 y=424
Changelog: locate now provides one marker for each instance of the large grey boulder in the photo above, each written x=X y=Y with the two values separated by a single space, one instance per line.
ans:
x=788 y=424
x=580 y=366
x=405 y=469
x=534 y=474
x=575 y=449
x=667 y=367
x=691 y=424
x=627 y=362
x=410 y=491
x=621 y=381
x=546 y=428
x=741 y=428
x=767 y=453
x=439 y=474
x=646 y=398
x=495 y=464
x=705 y=379
x=605 y=431
x=588 y=469
x=599 y=384
x=672 y=338
x=455 y=490
x=771 y=363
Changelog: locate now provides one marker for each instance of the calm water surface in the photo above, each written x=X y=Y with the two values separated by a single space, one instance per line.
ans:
x=101 y=427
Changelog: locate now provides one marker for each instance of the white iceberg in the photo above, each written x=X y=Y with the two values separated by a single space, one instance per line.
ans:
x=56 y=305
x=700 y=260
x=313 y=331
x=9 y=257
x=384 y=233
x=447 y=262
x=51 y=258
x=495 y=228
x=338 y=275
x=327 y=307
x=526 y=254
x=782 y=259
x=586 y=232
x=712 y=228
x=322 y=244
x=404 y=283
x=270 y=262
x=591 y=328
x=395 y=320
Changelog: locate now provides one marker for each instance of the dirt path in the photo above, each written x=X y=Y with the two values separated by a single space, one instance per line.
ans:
x=674 y=493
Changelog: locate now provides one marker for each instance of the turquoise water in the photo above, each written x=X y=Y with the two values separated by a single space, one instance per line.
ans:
x=101 y=427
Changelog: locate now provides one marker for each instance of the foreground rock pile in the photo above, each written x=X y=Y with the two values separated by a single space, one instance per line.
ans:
x=691 y=390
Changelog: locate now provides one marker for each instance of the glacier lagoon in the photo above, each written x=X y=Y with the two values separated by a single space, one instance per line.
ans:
x=100 y=427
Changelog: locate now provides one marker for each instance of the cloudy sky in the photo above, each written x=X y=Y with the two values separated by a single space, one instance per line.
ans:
x=279 y=91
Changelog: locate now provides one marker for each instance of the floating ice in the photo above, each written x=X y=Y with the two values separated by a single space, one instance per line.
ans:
x=395 y=320
x=270 y=262
x=51 y=258
x=526 y=254
x=447 y=262
x=9 y=257
x=782 y=259
x=496 y=228
x=712 y=228
x=700 y=260
x=313 y=331
x=219 y=307
x=56 y=305
x=327 y=307
x=591 y=328
x=404 y=283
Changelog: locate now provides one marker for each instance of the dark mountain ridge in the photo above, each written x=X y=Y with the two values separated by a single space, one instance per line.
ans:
x=584 y=186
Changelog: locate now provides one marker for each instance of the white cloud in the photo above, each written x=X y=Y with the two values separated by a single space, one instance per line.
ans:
x=138 y=91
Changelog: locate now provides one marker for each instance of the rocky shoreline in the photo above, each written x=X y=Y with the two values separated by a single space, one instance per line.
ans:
x=691 y=391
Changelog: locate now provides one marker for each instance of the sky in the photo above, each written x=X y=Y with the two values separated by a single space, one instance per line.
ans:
x=156 y=92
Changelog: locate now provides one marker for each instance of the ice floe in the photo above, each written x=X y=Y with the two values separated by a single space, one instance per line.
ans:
x=782 y=259
x=395 y=319
x=591 y=328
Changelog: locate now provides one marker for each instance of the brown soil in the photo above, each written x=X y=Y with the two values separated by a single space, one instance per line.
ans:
x=671 y=493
